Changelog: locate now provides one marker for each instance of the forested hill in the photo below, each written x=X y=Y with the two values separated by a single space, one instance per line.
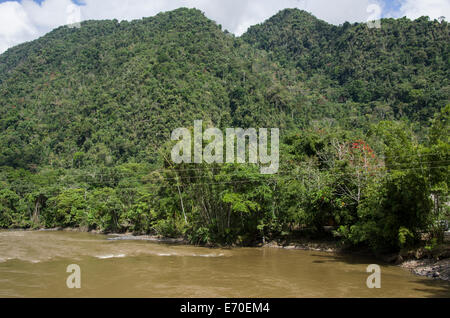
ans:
x=113 y=91
x=401 y=68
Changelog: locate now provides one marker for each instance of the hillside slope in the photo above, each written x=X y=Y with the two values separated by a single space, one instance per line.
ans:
x=403 y=68
x=113 y=91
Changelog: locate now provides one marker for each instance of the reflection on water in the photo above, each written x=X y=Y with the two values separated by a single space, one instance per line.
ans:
x=33 y=264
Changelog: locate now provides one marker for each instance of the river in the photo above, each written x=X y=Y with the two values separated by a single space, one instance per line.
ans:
x=33 y=264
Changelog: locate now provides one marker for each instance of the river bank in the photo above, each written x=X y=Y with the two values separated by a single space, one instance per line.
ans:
x=430 y=264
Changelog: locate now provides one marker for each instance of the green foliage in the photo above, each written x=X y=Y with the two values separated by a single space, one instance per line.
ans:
x=403 y=65
x=86 y=115
x=12 y=212
x=398 y=207
x=404 y=235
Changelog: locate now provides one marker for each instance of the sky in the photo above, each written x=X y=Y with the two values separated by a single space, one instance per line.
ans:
x=26 y=20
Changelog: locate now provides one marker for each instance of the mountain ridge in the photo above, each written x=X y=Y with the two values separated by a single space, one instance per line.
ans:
x=112 y=90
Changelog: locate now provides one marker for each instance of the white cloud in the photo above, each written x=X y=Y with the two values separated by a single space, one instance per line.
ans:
x=15 y=25
x=433 y=8
x=27 y=20
x=345 y=10
x=49 y=14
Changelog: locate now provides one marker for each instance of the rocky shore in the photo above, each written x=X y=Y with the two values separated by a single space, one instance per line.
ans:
x=150 y=238
x=433 y=263
x=322 y=246
x=430 y=268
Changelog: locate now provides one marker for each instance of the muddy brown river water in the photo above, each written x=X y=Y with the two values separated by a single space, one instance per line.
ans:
x=33 y=264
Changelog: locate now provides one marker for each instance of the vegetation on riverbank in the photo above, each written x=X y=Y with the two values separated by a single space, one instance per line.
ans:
x=86 y=116
x=384 y=202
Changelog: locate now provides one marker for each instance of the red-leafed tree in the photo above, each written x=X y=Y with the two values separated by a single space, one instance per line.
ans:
x=354 y=164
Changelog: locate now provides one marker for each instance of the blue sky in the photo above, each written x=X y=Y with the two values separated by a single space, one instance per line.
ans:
x=25 y=20
x=391 y=5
